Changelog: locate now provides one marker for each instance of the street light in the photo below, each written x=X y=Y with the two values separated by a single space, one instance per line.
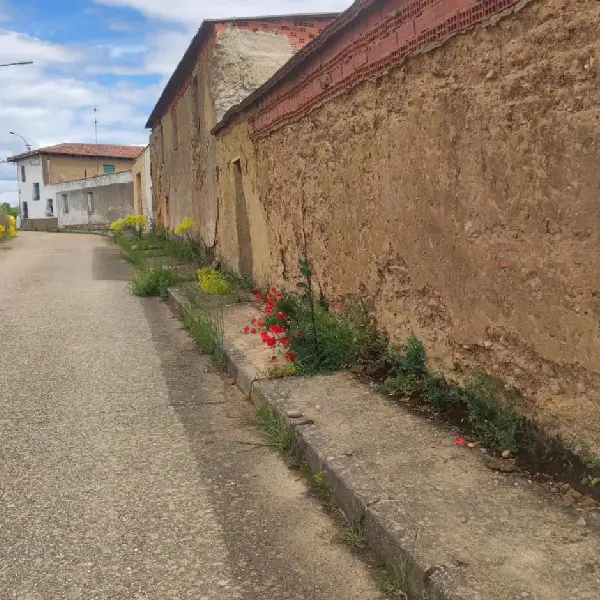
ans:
x=17 y=64
x=26 y=142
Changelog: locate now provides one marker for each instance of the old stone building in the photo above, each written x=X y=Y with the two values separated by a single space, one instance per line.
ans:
x=225 y=62
x=450 y=180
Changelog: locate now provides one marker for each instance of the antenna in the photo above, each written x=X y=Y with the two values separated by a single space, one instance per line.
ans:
x=96 y=123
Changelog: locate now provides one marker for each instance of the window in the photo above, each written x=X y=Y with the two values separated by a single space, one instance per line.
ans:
x=25 y=209
x=36 y=191
x=90 y=201
x=49 y=207
x=109 y=169
x=65 y=200
x=22 y=172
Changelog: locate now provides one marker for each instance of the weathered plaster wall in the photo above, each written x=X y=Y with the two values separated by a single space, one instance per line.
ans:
x=459 y=196
x=111 y=199
x=58 y=169
x=231 y=146
x=242 y=61
x=142 y=185
x=183 y=151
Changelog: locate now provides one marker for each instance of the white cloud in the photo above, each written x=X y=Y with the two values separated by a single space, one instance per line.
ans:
x=20 y=47
x=186 y=11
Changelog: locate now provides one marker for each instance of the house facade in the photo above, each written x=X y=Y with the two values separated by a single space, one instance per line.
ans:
x=142 y=185
x=40 y=170
x=94 y=202
x=225 y=62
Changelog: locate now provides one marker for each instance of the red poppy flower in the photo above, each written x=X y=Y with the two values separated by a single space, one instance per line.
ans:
x=268 y=311
x=271 y=342
x=273 y=289
x=290 y=357
x=278 y=296
x=284 y=341
x=273 y=358
x=277 y=329
x=282 y=316
x=253 y=321
x=258 y=297
x=261 y=323
x=253 y=330
x=459 y=441
x=270 y=297
x=246 y=329
x=271 y=304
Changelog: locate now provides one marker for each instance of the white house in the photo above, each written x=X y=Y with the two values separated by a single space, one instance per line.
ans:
x=40 y=171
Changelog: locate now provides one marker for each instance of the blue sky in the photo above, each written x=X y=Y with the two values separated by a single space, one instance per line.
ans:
x=115 y=55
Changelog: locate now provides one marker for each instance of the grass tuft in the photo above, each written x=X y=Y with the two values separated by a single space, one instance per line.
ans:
x=155 y=282
x=278 y=436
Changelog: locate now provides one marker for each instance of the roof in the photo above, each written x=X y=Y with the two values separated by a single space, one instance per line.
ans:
x=295 y=63
x=90 y=150
x=188 y=62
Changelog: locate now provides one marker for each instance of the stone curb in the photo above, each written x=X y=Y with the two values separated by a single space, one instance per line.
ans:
x=362 y=507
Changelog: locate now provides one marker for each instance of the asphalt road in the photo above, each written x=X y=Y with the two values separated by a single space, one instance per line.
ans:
x=127 y=464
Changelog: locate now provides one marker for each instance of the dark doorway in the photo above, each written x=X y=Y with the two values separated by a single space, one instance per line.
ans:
x=243 y=222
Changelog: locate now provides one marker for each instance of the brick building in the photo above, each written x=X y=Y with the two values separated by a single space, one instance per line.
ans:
x=225 y=62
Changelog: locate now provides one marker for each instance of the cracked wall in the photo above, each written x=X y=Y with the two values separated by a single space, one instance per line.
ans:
x=459 y=196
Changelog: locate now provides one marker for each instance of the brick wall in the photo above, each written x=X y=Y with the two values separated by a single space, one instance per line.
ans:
x=384 y=33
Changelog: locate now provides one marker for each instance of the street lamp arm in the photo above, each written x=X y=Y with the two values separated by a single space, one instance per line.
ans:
x=24 y=140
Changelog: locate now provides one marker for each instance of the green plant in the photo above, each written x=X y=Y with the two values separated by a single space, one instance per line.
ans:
x=495 y=424
x=405 y=386
x=278 y=436
x=282 y=371
x=155 y=282
x=412 y=361
x=355 y=536
x=212 y=282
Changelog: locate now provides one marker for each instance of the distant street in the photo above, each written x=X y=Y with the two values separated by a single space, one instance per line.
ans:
x=129 y=467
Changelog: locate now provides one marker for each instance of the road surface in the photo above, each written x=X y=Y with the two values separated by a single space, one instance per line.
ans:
x=127 y=468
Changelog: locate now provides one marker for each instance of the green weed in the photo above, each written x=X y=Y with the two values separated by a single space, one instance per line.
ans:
x=356 y=537
x=155 y=282
x=278 y=436
x=486 y=403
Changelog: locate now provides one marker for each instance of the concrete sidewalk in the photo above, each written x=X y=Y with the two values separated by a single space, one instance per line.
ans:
x=441 y=519
x=130 y=468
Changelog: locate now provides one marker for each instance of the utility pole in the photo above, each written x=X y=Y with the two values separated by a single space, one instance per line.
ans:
x=96 y=134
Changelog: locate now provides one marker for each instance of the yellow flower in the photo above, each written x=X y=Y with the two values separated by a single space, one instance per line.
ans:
x=12 y=221
x=134 y=222
x=12 y=232
x=185 y=226
x=211 y=282
x=116 y=225
x=2 y=230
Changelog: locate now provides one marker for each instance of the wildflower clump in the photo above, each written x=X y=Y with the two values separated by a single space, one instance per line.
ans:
x=8 y=228
x=134 y=222
x=211 y=282
x=185 y=226
x=116 y=226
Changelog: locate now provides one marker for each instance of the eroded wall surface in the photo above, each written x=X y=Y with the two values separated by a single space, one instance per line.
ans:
x=183 y=151
x=237 y=144
x=458 y=195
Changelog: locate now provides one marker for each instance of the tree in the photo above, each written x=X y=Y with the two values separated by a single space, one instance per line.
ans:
x=7 y=209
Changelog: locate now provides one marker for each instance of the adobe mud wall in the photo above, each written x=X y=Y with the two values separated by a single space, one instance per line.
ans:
x=234 y=62
x=459 y=196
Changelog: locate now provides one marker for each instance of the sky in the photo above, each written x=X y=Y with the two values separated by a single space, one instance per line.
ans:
x=113 y=55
